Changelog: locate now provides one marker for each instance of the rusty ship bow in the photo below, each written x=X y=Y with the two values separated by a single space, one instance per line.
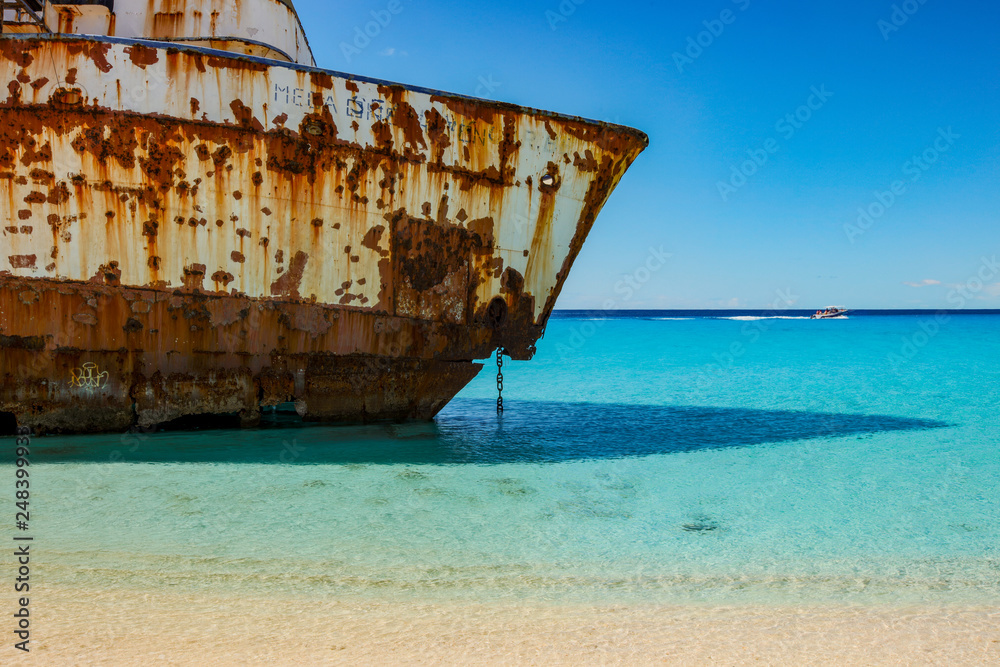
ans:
x=201 y=224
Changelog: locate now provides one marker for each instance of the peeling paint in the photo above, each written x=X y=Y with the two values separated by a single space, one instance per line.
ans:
x=319 y=207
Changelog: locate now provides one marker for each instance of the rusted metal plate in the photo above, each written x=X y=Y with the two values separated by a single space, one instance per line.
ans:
x=273 y=22
x=202 y=213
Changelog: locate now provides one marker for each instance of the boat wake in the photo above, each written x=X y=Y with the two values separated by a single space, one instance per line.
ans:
x=748 y=318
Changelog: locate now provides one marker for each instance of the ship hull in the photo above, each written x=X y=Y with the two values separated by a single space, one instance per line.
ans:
x=146 y=357
x=189 y=232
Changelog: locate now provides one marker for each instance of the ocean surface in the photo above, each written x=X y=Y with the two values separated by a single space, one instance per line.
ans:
x=643 y=458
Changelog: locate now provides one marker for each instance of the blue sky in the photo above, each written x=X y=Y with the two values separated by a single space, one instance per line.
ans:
x=903 y=94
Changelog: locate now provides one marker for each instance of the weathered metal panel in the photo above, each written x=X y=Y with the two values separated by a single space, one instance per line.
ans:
x=213 y=185
x=81 y=19
x=272 y=22
x=264 y=28
x=258 y=157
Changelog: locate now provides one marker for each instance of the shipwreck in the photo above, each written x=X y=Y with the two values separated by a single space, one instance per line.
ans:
x=197 y=220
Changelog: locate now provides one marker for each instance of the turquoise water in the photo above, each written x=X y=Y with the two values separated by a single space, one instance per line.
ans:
x=645 y=460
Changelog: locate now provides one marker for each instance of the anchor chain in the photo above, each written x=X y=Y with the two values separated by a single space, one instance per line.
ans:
x=499 y=380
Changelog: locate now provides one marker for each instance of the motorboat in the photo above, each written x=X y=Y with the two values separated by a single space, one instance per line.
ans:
x=831 y=313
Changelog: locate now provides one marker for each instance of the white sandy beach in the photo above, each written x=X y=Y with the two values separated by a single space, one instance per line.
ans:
x=94 y=628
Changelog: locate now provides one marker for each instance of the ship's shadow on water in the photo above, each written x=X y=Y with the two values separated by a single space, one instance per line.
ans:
x=469 y=432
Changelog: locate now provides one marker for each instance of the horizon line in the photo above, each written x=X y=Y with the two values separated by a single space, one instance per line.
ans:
x=782 y=310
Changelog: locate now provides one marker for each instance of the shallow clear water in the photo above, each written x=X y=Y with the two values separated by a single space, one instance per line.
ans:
x=639 y=460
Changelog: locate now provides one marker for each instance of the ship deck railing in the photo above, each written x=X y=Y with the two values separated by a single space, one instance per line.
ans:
x=25 y=16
